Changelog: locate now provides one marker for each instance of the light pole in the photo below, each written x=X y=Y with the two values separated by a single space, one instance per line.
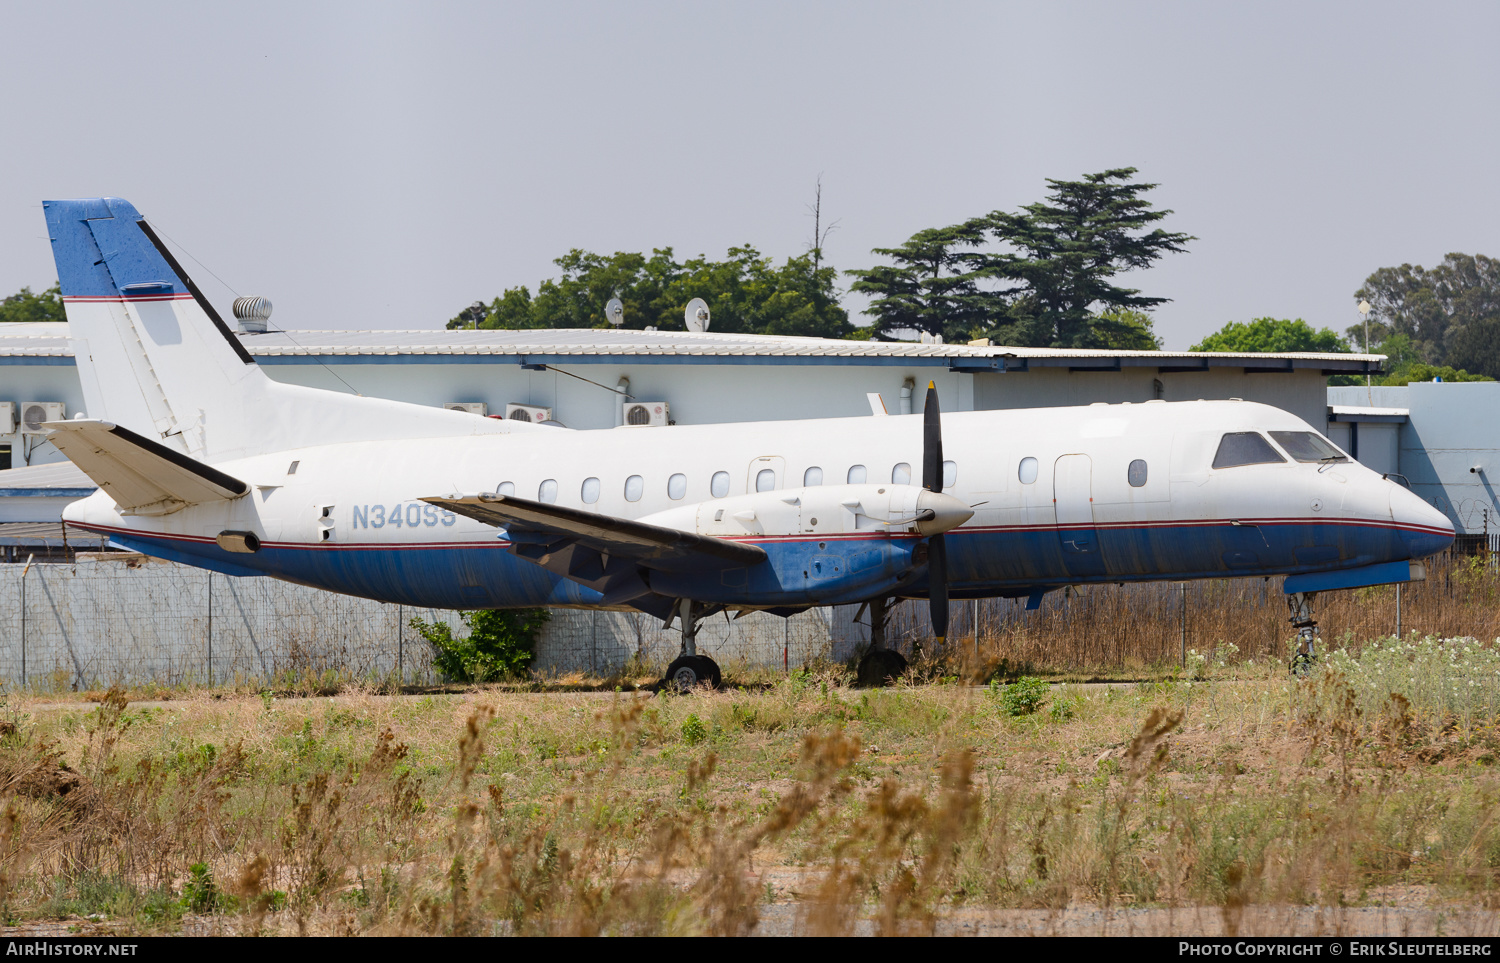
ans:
x=1364 y=312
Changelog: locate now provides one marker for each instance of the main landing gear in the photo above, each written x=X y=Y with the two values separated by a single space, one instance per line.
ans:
x=1300 y=605
x=880 y=665
x=690 y=670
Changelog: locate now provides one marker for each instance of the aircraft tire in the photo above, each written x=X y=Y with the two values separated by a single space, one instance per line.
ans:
x=880 y=668
x=688 y=672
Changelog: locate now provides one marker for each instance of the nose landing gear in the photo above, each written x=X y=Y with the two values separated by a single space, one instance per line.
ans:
x=880 y=663
x=1300 y=606
x=690 y=669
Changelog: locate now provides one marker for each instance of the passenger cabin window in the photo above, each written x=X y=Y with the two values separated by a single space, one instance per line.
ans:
x=590 y=491
x=635 y=487
x=813 y=476
x=950 y=474
x=901 y=474
x=547 y=491
x=1137 y=473
x=506 y=488
x=765 y=480
x=1239 y=448
x=856 y=475
x=1308 y=446
x=676 y=487
x=1027 y=471
x=719 y=486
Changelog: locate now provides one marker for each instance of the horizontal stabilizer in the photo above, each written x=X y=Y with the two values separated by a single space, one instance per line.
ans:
x=142 y=476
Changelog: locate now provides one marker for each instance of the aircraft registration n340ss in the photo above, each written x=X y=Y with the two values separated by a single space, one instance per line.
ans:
x=202 y=459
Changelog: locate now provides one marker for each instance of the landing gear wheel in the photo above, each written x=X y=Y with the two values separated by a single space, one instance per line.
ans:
x=879 y=667
x=688 y=672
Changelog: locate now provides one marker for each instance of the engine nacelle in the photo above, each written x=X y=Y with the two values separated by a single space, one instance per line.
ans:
x=822 y=510
x=826 y=544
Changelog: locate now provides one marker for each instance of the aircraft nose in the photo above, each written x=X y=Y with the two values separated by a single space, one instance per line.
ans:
x=1423 y=529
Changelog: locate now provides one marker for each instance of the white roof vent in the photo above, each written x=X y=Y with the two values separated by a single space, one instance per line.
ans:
x=252 y=314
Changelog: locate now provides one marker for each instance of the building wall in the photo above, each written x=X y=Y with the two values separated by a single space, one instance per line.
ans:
x=26 y=382
x=1376 y=445
x=1303 y=393
x=1453 y=428
x=697 y=393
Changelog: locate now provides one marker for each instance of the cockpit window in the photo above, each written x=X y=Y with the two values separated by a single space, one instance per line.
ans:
x=1245 y=448
x=1308 y=446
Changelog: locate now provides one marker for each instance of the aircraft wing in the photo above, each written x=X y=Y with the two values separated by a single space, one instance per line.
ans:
x=609 y=554
x=144 y=477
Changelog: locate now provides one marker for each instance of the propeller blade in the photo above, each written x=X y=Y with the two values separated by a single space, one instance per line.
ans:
x=932 y=442
x=932 y=480
x=937 y=585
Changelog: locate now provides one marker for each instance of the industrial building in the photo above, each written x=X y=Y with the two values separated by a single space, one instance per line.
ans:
x=601 y=379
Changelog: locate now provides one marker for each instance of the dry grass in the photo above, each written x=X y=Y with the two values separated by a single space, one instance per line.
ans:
x=1136 y=631
x=493 y=811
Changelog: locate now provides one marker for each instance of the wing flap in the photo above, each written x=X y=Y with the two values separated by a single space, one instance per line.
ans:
x=619 y=538
x=142 y=476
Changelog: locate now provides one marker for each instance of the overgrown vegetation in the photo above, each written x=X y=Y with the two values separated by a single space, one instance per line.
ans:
x=501 y=644
x=504 y=812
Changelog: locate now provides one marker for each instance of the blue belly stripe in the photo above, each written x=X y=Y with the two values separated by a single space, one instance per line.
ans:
x=981 y=563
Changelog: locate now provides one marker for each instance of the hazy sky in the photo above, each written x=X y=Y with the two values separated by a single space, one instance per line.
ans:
x=372 y=165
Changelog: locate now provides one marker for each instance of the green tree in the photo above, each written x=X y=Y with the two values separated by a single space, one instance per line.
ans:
x=1426 y=372
x=1476 y=344
x=23 y=306
x=1125 y=329
x=1063 y=254
x=1050 y=281
x=1449 y=312
x=929 y=288
x=1272 y=335
x=746 y=293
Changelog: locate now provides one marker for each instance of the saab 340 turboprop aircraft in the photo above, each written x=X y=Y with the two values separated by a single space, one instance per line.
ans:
x=201 y=458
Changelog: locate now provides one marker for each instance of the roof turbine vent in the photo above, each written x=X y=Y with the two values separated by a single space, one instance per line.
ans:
x=252 y=314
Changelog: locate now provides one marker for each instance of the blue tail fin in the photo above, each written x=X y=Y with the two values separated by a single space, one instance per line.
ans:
x=155 y=357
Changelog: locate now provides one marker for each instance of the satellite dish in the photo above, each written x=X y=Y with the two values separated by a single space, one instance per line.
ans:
x=614 y=311
x=696 y=315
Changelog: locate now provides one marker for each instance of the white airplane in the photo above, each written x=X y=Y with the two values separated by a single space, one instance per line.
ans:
x=202 y=459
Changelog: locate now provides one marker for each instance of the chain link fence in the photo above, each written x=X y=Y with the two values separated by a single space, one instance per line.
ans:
x=112 y=617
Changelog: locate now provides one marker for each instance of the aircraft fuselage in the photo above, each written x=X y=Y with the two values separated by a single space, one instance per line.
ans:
x=1104 y=493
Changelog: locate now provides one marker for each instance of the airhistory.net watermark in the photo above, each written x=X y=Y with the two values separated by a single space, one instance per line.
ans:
x=68 y=948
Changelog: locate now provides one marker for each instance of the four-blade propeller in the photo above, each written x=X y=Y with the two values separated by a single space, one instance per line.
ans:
x=932 y=480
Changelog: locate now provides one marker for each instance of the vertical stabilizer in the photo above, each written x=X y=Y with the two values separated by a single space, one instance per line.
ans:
x=154 y=356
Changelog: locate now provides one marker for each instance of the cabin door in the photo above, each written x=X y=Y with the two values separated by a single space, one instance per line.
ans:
x=1073 y=496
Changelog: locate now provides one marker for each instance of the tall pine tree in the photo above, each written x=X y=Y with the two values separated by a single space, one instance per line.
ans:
x=1062 y=256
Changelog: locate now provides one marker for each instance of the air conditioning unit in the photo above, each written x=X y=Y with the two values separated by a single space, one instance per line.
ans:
x=7 y=417
x=529 y=413
x=647 y=413
x=472 y=407
x=33 y=413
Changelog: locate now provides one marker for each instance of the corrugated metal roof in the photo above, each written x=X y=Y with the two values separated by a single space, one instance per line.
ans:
x=50 y=340
x=55 y=478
